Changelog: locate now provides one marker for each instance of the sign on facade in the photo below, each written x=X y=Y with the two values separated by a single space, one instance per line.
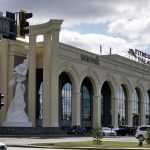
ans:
x=140 y=56
x=89 y=59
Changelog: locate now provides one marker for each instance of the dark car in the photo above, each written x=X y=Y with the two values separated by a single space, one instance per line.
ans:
x=125 y=130
x=76 y=130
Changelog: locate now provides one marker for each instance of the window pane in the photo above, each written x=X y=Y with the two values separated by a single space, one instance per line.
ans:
x=122 y=106
x=86 y=103
x=66 y=102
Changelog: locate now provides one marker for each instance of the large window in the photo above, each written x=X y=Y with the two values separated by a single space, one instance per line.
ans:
x=147 y=108
x=122 y=106
x=86 y=103
x=65 y=100
x=136 y=107
x=106 y=115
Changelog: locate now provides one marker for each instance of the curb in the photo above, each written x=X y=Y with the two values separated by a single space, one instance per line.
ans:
x=83 y=148
x=28 y=146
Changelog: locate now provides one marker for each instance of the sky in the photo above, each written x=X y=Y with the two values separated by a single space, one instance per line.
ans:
x=115 y=24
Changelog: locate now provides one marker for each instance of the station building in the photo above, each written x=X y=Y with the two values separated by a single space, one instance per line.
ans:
x=79 y=88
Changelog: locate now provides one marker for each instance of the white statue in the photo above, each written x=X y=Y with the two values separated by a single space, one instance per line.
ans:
x=16 y=115
x=41 y=100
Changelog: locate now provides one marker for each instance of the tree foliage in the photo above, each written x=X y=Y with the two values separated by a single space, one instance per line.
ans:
x=148 y=137
x=97 y=135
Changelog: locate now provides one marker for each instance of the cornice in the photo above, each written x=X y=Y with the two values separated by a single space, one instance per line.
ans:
x=53 y=24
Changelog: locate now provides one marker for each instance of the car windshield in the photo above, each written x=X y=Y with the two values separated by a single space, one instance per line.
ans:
x=106 y=129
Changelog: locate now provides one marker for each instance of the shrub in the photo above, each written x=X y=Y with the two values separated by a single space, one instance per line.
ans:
x=148 y=137
x=97 y=135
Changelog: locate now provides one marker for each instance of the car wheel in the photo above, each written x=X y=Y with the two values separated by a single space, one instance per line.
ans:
x=141 y=138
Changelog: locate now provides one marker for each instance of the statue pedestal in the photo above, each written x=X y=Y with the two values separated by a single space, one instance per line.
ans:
x=16 y=118
x=17 y=124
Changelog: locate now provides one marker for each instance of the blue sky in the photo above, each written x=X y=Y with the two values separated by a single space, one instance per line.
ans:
x=119 y=24
x=89 y=28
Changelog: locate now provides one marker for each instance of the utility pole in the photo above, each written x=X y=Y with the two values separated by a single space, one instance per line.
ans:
x=100 y=49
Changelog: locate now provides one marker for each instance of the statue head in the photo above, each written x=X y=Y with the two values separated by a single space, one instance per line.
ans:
x=22 y=69
x=25 y=62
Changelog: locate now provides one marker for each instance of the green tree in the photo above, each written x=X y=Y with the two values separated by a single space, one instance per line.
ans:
x=97 y=135
x=148 y=137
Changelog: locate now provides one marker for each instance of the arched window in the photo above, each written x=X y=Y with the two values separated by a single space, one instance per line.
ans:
x=147 y=108
x=122 y=106
x=106 y=106
x=86 y=103
x=65 y=100
x=136 y=107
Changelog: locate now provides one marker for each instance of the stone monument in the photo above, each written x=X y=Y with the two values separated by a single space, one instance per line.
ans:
x=16 y=115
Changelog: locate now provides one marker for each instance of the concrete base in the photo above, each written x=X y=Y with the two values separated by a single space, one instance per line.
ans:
x=17 y=124
x=31 y=131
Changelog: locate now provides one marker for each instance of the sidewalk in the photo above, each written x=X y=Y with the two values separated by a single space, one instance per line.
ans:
x=30 y=141
x=33 y=140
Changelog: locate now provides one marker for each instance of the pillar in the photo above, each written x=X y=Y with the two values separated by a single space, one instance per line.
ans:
x=32 y=79
x=76 y=108
x=4 y=63
x=97 y=111
x=114 y=111
x=50 y=79
x=130 y=116
x=46 y=82
x=142 y=108
x=129 y=107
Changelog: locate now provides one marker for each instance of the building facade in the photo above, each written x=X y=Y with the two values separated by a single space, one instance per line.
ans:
x=79 y=88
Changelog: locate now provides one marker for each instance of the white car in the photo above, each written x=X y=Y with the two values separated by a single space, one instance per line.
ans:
x=141 y=132
x=108 y=132
x=3 y=146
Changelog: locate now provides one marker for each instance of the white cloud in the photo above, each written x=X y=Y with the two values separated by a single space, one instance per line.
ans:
x=91 y=42
x=132 y=29
x=126 y=22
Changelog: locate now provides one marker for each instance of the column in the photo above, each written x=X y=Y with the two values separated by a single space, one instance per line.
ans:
x=54 y=105
x=142 y=107
x=46 y=81
x=50 y=80
x=114 y=112
x=130 y=122
x=32 y=79
x=4 y=63
x=97 y=111
x=76 y=109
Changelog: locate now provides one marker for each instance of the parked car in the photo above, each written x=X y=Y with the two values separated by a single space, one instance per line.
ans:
x=141 y=132
x=125 y=130
x=108 y=131
x=76 y=130
x=3 y=146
